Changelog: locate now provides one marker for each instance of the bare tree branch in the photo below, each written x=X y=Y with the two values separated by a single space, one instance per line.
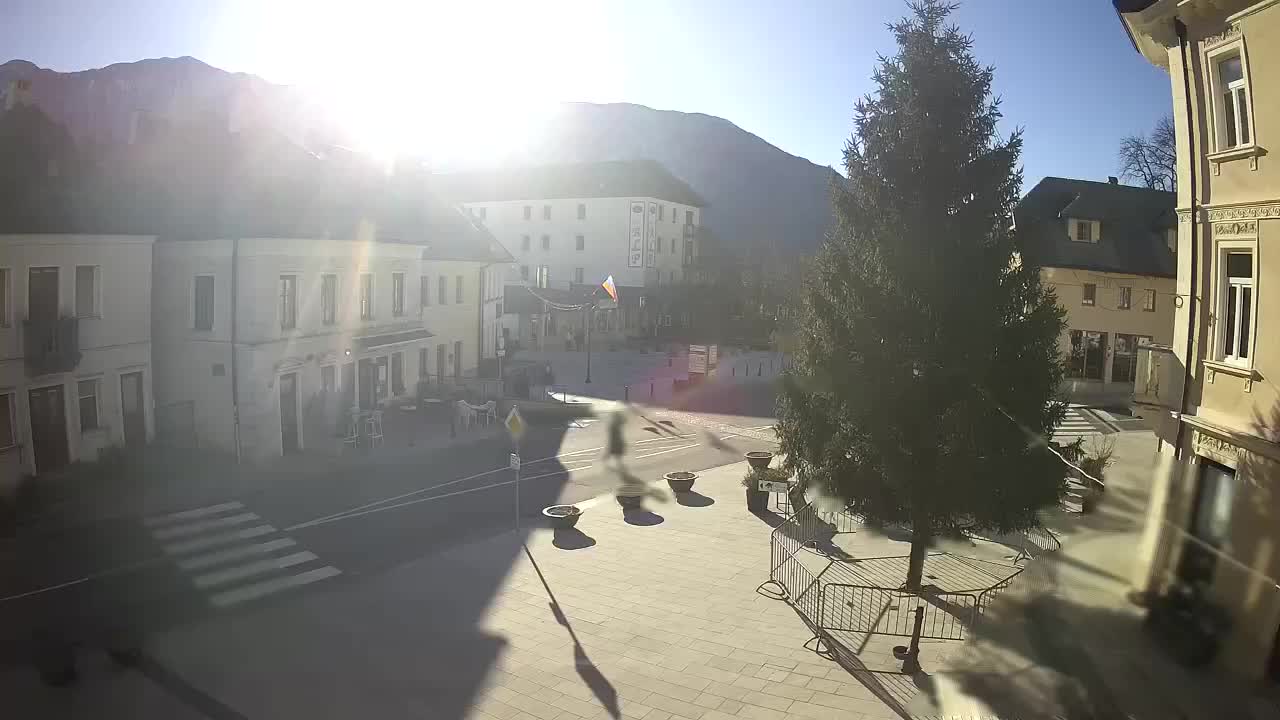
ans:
x=1151 y=160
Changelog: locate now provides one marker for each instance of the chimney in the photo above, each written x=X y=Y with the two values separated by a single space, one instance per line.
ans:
x=1113 y=180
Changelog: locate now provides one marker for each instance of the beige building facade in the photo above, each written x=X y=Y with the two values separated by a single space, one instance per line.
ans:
x=1214 y=520
x=75 y=350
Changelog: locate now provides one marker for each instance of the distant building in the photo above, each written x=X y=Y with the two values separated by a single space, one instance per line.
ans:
x=571 y=226
x=1107 y=250
x=1213 y=527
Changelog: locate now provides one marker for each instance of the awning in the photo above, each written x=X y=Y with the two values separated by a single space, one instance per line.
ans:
x=369 y=342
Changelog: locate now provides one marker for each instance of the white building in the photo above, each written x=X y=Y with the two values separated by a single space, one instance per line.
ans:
x=288 y=333
x=571 y=226
x=75 y=349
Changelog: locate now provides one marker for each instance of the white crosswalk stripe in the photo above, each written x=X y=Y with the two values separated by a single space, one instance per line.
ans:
x=229 y=550
x=1074 y=424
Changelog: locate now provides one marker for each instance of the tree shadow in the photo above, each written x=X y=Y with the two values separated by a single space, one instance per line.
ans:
x=572 y=539
x=694 y=498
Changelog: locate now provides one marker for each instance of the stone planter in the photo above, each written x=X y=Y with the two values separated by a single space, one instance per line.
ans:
x=680 y=481
x=759 y=459
x=562 y=517
x=757 y=500
x=630 y=502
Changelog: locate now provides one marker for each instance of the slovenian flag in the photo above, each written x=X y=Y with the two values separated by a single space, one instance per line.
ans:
x=610 y=288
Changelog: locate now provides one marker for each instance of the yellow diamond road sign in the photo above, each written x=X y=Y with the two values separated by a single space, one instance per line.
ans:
x=515 y=423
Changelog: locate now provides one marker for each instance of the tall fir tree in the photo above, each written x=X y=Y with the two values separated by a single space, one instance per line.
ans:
x=924 y=388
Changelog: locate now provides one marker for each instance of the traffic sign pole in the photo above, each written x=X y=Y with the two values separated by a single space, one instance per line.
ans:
x=515 y=427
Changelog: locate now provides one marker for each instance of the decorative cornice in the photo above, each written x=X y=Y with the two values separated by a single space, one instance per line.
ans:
x=1230 y=33
x=1243 y=212
x=1235 y=227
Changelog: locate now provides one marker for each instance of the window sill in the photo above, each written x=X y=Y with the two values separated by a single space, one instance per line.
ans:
x=1217 y=366
x=1251 y=151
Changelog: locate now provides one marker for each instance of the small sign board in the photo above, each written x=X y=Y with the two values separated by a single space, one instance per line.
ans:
x=698 y=359
x=515 y=424
x=713 y=355
x=775 y=486
x=515 y=461
x=502 y=352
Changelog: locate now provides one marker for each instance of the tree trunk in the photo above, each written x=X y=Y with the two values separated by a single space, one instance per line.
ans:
x=920 y=537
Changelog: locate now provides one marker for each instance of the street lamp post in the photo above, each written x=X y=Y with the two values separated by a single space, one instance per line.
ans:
x=589 y=310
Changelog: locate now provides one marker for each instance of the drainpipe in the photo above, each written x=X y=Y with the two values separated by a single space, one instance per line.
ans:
x=1194 y=164
x=235 y=323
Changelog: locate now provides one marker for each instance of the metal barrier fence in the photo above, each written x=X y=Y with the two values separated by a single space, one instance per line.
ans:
x=867 y=609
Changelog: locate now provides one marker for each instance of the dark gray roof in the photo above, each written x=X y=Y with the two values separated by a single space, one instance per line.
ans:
x=616 y=178
x=1133 y=222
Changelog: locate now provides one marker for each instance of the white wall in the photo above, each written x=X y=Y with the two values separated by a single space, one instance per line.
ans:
x=114 y=342
x=604 y=230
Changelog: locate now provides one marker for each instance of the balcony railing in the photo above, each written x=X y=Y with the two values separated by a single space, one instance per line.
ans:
x=1158 y=377
x=51 y=345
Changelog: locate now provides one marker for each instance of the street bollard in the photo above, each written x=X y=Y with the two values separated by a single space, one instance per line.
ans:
x=626 y=393
x=650 y=389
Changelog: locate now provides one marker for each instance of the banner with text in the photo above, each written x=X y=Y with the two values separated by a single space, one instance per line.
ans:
x=651 y=233
x=635 y=253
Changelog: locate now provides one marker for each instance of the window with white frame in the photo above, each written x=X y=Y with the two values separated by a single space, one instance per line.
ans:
x=8 y=429
x=397 y=294
x=578 y=275
x=1126 y=298
x=88 y=393
x=424 y=291
x=580 y=243
x=442 y=290
x=1232 y=108
x=5 y=306
x=582 y=211
x=203 y=302
x=328 y=299
x=288 y=302
x=366 y=296
x=1236 y=306
x=1148 y=300
x=544 y=276
x=1084 y=231
x=457 y=289
x=1089 y=295
x=87 y=277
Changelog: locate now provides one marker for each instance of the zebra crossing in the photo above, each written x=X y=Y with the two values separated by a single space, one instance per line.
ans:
x=1076 y=423
x=232 y=556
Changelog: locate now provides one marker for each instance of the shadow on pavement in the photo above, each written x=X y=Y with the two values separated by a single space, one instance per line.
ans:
x=693 y=498
x=642 y=518
x=572 y=539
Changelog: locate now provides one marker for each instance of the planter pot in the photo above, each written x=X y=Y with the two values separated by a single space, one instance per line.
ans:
x=562 y=517
x=757 y=500
x=680 y=481
x=759 y=459
x=630 y=502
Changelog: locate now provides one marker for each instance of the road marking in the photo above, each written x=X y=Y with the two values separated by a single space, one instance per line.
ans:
x=191 y=514
x=196 y=528
x=663 y=452
x=221 y=577
x=730 y=435
x=217 y=558
x=267 y=587
x=557 y=472
x=213 y=541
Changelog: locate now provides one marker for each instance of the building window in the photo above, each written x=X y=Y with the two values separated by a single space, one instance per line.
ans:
x=484 y=213
x=5 y=305
x=1148 y=300
x=662 y=211
x=524 y=242
x=546 y=212
x=1088 y=353
x=673 y=246
x=366 y=296
x=328 y=378
x=442 y=290
x=524 y=272
x=544 y=276
x=578 y=275
x=528 y=212
x=422 y=362
x=1210 y=522
x=397 y=373
x=203 y=302
x=673 y=214
x=457 y=289
x=1171 y=239
x=288 y=302
x=688 y=217
x=397 y=294
x=688 y=252
x=582 y=211
x=424 y=291
x=1236 y=310
x=1231 y=101
x=1084 y=231
x=579 y=243
x=328 y=299
x=1090 y=294
x=88 y=392
x=8 y=438
x=87 y=291
x=1126 y=298
x=546 y=242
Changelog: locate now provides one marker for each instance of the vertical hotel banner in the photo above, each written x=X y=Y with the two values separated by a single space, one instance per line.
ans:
x=651 y=234
x=635 y=234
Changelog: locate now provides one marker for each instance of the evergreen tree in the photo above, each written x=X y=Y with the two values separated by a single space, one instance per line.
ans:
x=928 y=360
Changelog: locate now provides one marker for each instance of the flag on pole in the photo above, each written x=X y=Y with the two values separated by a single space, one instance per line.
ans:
x=610 y=288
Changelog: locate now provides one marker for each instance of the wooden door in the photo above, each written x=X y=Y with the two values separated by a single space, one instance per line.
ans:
x=48 y=428
x=132 y=410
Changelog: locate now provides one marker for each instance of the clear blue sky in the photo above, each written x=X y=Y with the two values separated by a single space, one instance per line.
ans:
x=787 y=71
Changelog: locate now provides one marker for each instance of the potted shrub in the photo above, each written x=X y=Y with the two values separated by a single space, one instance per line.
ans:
x=759 y=459
x=630 y=495
x=757 y=499
x=562 y=517
x=1096 y=458
x=680 y=481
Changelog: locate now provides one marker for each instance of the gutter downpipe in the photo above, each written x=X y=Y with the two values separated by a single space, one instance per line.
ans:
x=1193 y=164
x=235 y=322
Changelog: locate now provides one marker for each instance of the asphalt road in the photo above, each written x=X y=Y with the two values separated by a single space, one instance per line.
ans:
x=114 y=583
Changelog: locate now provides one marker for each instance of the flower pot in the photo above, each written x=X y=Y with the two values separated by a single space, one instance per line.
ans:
x=562 y=517
x=680 y=481
x=757 y=500
x=759 y=459
x=630 y=502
